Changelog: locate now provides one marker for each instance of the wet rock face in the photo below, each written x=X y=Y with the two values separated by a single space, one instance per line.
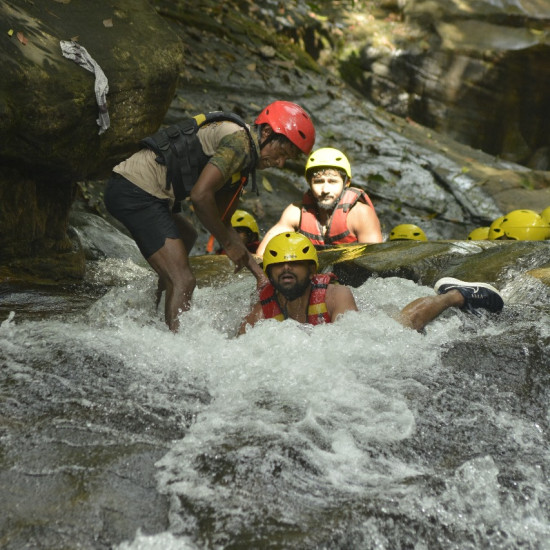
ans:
x=426 y=262
x=237 y=60
x=475 y=72
x=49 y=134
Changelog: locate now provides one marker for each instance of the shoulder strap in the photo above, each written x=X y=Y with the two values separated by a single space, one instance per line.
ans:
x=270 y=306
x=350 y=195
x=317 y=309
x=223 y=116
x=360 y=194
x=179 y=149
x=309 y=223
x=338 y=232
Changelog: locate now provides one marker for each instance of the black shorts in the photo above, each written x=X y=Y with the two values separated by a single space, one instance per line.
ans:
x=148 y=218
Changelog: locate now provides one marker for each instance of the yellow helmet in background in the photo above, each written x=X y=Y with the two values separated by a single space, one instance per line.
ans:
x=241 y=218
x=289 y=247
x=495 y=232
x=407 y=231
x=525 y=225
x=479 y=234
x=327 y=157
x=545 y=214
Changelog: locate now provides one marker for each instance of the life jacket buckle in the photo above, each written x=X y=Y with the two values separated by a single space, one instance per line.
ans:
x=188 y=127
x=172 y=132
x=162 y=141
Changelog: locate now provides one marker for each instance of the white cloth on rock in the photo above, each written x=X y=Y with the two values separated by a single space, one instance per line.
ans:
x=74 y=51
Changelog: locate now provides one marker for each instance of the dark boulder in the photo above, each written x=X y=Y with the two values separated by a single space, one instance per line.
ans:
x=49 y=134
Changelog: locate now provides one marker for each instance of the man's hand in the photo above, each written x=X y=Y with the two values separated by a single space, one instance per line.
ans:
x=241 y=257
x=237 y=253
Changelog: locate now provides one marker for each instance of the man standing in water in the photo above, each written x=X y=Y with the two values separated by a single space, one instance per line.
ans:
x=208 y=158
x=296 y=291
x=331 y=212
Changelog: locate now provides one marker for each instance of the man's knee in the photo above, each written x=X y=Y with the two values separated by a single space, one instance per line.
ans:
x=181 y=281
x=189 y=283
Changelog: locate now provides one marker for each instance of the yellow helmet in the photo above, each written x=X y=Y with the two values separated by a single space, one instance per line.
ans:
x=479 y=234
x=525 y=225
x=545 y=214
x=407 y=231
x=495 y=232
x=241 y=218
x=329 y=158
x=289 y=247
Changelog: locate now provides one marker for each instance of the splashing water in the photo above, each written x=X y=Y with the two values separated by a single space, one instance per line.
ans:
x=358 y=434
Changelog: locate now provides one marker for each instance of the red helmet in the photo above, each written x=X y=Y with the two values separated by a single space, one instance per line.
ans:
x=290 y=120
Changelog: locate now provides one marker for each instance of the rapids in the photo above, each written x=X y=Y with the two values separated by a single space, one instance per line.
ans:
x=359 y=434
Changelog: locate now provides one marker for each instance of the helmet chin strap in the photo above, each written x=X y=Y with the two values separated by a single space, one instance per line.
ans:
x=267 y=140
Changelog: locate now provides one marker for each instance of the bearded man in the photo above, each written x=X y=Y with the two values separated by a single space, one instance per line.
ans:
x=297 y=291
x=331 y=212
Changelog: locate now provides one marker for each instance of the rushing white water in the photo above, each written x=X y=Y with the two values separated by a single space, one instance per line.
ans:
x=333 y=436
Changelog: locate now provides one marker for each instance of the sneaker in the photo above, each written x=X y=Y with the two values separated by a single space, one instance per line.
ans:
x=476 y=295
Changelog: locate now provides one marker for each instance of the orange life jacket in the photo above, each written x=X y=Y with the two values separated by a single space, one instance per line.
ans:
x=317 y=313
x=337 y=232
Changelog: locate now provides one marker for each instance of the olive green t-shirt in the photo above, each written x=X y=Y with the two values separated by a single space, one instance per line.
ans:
x=226 y=143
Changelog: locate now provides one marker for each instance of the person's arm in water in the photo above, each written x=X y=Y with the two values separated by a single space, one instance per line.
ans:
x=364 y=223
x=255 y=315
x=339 y=300
x=289 y=221
x=207 y=209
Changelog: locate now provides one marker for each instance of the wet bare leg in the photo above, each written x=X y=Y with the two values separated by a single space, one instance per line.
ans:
x=187 y=232
x=189 y=236
x=158 y=293
x=171 y=263
x=420 y=312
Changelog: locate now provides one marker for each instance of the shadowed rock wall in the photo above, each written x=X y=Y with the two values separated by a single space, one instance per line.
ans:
x=49 y=134
x=476 y=71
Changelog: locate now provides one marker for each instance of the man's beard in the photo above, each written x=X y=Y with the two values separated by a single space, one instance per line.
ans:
x=297 y=290
x=327 y=206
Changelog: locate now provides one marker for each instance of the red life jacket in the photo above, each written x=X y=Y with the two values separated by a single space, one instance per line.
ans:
x=317 y=313
x=337 y=232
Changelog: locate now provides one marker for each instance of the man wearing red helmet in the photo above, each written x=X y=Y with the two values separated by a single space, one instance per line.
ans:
x=208 y=158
